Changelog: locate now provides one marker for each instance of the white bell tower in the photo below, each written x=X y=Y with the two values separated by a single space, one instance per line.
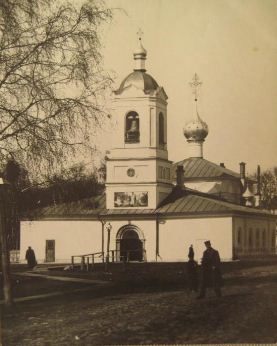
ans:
x=138 y=171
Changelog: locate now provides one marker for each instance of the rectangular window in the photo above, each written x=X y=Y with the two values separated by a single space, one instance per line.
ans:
x=160 y=172
x=257 y=238
x=263 y=238
x=167 y=173
x=250 y=238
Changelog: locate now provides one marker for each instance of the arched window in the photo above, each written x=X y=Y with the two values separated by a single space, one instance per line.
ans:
x=161 y=131
x=132 y=127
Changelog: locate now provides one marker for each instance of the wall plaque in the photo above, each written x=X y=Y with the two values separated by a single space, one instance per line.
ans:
x=130 y=199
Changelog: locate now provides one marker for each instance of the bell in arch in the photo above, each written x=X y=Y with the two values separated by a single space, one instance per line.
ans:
x=134 y=126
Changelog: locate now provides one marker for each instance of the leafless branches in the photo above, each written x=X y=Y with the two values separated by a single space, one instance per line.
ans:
x=50 y=79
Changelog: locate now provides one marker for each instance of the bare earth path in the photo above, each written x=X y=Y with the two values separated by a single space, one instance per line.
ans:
x=247 y=313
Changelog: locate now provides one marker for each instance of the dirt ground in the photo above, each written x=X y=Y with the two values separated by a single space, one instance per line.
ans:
x=247 y=313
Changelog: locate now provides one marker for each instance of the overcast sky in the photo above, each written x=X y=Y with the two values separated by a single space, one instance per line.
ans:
x=232 y=45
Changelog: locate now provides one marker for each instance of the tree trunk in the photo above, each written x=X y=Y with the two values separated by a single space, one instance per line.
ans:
x=7 y=291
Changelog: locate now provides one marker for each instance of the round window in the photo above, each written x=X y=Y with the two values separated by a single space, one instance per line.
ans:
x=130 y=172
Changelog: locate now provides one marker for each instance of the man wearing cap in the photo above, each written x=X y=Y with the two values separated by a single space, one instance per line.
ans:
x=211 y=274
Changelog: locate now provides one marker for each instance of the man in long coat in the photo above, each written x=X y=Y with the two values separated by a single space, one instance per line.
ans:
x=211 y=273
x=31 y=258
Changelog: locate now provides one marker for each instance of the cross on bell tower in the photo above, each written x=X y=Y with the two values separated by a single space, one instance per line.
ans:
x=140 y=33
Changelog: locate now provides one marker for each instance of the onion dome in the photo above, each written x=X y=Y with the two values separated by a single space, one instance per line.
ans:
x=196 y=130
x=247 y=193
x=140 y=55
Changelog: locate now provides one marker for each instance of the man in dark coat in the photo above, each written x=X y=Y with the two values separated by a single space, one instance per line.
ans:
x=31 y=258
x=191 y=252
x=211 y=273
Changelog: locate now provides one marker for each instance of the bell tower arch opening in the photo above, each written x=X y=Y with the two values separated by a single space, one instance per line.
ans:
x=132 y=132
x=130 y=244
x=162 y=141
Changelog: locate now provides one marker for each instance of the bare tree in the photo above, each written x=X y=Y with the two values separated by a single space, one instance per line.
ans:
x=269 y=188
x=51 y=79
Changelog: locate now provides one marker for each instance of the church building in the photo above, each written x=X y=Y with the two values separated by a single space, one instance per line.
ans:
x=154 y=209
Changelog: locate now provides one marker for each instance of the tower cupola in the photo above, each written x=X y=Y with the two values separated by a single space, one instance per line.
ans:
x=140 y=55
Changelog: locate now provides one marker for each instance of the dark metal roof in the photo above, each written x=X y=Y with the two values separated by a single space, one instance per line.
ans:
x=192 y=202
x=87 y=206
x=139 y=79
x=196 y=167
x=179 y=202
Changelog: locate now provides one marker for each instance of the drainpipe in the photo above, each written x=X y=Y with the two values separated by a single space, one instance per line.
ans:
x=102 y=237
x=157 y=237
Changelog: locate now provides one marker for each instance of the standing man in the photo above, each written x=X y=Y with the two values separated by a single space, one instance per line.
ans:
x=211 y=273
x=192 y=274
x=31 y=258
x=191 y=252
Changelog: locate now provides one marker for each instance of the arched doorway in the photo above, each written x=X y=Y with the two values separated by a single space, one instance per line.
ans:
x=129 y=245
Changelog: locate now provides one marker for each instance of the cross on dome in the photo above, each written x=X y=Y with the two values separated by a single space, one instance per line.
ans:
x=195 y=85
x=140 y=34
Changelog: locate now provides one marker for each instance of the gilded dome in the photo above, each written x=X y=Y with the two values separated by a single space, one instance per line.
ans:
x=140 y=80
x=196 y=130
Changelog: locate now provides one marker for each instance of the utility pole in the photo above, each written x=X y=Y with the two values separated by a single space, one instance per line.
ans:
x=5 y=214
x=108 y=228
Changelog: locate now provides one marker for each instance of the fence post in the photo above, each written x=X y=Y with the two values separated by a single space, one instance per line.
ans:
x=88 y=263
x=92 y=262
x=82 y=262
x=72 y=262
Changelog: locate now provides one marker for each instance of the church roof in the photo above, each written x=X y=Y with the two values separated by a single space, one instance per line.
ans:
x=181 y=202
x=140 y=80
x=88 y=206
x=196 y=167
x=193 y=202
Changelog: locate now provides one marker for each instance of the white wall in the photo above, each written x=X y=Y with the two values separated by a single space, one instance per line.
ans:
x=71 y=238
x=177 y=235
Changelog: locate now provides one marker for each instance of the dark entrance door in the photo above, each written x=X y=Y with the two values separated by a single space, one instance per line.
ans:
x=131 y=246
x=50 y=251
